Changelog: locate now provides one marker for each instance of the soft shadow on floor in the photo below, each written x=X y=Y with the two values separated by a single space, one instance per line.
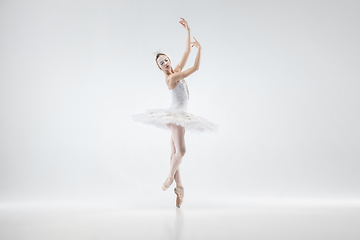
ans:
x=255 y=222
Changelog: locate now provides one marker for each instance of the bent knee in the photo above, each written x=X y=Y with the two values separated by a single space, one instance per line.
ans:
x=182 y=151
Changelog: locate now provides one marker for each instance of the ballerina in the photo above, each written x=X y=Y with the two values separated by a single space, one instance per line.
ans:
x=176 y=118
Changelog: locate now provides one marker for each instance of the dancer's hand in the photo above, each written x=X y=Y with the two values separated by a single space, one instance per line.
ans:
x=185 y=24
x=195 y=43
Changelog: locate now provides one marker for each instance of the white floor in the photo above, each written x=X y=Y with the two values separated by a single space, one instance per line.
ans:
x=250 y=222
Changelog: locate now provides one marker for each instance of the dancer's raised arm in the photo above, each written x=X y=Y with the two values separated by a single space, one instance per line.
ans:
x=180 y=75
x=186 y=54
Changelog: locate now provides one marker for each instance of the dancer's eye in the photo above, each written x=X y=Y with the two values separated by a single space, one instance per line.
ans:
x=161 y=63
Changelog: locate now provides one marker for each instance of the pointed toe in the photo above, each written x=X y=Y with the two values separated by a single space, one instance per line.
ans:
x=171 y=179
x=179 y=191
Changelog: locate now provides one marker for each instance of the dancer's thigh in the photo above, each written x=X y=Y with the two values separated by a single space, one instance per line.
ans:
x=178 y=133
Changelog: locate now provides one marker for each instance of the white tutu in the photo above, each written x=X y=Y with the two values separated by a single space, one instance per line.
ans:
x=176 y=114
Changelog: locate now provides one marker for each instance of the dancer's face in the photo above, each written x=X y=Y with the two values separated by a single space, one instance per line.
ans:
x=164 y=62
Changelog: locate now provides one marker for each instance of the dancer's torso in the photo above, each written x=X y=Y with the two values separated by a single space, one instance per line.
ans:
x=172 y=87
x=180 y=95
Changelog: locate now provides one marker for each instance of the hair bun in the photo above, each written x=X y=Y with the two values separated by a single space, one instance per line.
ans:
x=155 y=54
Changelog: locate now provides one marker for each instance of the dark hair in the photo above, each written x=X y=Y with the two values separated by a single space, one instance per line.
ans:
x=157 y=56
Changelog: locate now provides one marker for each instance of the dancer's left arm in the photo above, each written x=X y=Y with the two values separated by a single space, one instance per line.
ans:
x=186 y=54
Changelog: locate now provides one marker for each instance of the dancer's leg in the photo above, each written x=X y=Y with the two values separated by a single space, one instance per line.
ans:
x=173 y=151
x=178 y=134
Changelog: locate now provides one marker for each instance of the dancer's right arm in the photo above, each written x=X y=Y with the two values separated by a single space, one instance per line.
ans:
x=184 y=74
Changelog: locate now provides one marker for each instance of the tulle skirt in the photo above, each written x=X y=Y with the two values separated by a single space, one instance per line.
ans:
x=161 y=117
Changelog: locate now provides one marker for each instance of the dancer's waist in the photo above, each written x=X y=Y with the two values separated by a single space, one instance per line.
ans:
x=182 y=106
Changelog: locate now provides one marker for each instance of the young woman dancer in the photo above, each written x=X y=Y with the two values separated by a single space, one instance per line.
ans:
x=176 y=118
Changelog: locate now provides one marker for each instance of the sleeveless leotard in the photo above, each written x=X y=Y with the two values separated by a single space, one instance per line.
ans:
x=176 y=113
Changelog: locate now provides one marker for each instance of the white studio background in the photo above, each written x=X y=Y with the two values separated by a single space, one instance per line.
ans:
x=280 y=78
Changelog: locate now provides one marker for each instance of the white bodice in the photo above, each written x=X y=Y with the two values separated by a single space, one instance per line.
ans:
x=177 y=113
x=180 y=96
